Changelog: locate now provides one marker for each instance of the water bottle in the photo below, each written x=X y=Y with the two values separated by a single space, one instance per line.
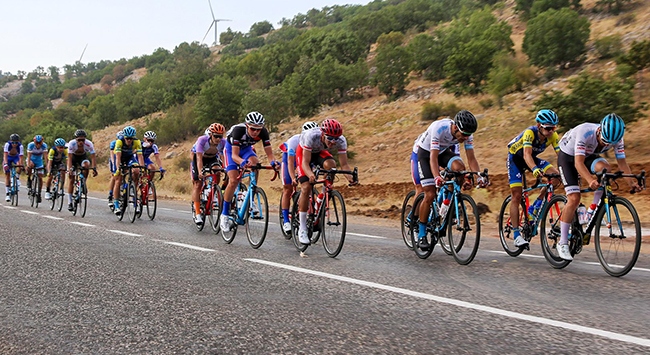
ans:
x=590 y=212
x=319 y=199
x=240 y=198
x=582 y=214
x=443 y=209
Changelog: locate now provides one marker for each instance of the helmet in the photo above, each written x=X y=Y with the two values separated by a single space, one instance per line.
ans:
x=465 y=121
x=331 y=127
x=150 y=135
x=129 y=132
x=79 y=133
x=547 y=117
x=612 y=128
x=59 y=142
x=218 y=128
x=38 y=138
x=14 y=138
x=255 y=118
x=309 y=125
x=120 y=135
x=207 y=131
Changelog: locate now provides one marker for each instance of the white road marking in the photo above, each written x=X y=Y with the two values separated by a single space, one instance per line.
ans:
x=125 y=233
x=11 y=207
x=468 y=305
x=581 y=262
x=82 y=224
x=365 y=235
x=29 y=212
x=52 y=217
x=189 y=246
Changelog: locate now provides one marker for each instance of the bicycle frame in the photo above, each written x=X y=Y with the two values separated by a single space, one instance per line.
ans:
x=251 y=175
x=550 y=191
x=209 y=178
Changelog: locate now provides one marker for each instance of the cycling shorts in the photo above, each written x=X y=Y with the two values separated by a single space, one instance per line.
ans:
x=516 y=166
x=194 y=170
x=11 y=160
x=569 y=173
x=445 y=160
x=287 y=179
x=316 y=159
x=245 y=153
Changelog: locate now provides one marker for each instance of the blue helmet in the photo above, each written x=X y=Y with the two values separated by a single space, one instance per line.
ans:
x=129 y=132
x=547 y=117
x=119 y=135
x=38 y=138
x=612 y=128
x=59 y=142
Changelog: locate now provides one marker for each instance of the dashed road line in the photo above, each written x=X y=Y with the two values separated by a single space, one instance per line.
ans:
x=52 y=217
x=366 y=235
x=83 y=224
x=29 y=212
x=189 y=246
x=124 y=233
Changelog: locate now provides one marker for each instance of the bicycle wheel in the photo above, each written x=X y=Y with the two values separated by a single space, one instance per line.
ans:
x=464 y=229
x=14 y=189
x=132 y=202
x=618 y=248
x=151 y=200
x=37 y=191
x=217 y=202
x=414 y=227
x=295 y=223
x=405 y=218
x=257 y=218
x=549 y=231
x=333 y=222
x=54 y=192
x=31 y=192
x=83 y=199
x=506 y=228
x=60 y=194
x=229 y=236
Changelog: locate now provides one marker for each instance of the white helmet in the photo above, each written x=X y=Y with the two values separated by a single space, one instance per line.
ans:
x=255 y=118
x=309 y=125
x=207 y=131
x=150 y=135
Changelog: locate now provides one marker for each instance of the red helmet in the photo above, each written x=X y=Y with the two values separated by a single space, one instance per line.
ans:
x=217 y=128
x=331 y=127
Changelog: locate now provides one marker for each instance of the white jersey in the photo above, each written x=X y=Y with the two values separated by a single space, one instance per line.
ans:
x=75 y=149
x=439 y=137
x=582 y=140
x=291 y=145
x=311 y=140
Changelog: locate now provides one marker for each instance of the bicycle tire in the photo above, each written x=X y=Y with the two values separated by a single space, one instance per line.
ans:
x=295 y=223
x=257 y=225
x=215 y=213
x=37 y=192
x=151 y=200
x=549 y=235
x=405 y=216
x=333 y=221
x=55 y=191
x=60 y=193
x=618 y=254
x=14 y=189
x=464 y=246
x=414 y=226
x=30 y=192
x=505 y=228
x=229 y=236
x=83 y=198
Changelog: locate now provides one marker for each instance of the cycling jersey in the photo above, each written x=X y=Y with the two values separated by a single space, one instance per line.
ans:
x=582 y=140
x=57 y=156
x=14 y=150
x=128 y=150
x=36 y=153
x=237 y=135
x=311 y=141
x=530 y=138
x=204 y=146
x=289 y=147
x=81 y=150
x=438 y=136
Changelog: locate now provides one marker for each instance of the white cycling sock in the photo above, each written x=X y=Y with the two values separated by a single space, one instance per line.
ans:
x=303 y=220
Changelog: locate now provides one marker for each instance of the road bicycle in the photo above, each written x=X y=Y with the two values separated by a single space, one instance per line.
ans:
x=14 y=181
x=79 y=193
x=249 y=207
x=614 y=224
x=458 y=231
x=57 y=195
x=528 y=225
x=34 y=186
x=326 y=213
x=148 y=196
x=129 y=202
x=211 y=197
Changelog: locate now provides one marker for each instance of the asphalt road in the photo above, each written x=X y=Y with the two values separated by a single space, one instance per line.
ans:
x=94 y=285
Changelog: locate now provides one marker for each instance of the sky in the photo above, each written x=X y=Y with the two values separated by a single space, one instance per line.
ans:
x=46 y=33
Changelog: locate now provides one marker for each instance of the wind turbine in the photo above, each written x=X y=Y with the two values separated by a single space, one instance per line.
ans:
x=214 y=23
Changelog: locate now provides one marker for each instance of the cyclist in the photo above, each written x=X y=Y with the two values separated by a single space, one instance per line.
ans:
x=289 y=182
x=580 y=150
x=239 y=153
x=522 y=155
x=55 y=157
x=206 y=151
x=79 y=149
x=36 y=159
x=128 y=152
x=13 y=155
x=150 y=147
x=436 y=151
x=112 y=167
x=313 y=150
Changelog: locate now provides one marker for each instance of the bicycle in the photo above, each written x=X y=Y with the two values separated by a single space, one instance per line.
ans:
x=129 y=202
x=460 y=205
x=528 y=225
x=80 y=193
x=34 y=186
x=13 y=191
x=57 y=194
x=325 y=216
x=251 y=209
x=613 y=228
x=210 y=196
x=148 y=197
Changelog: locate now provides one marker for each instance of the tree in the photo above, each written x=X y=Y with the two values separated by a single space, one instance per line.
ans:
x=638 y=57
x=540 y=6
x=226 y=37
x=102 y=112
x=393 y=65
x=54 y=73
x=220 y=101
x=429 y=55
x=273 y=103
x=556 y=37
x=260 y=28
x=507 y=75
x=613 y=6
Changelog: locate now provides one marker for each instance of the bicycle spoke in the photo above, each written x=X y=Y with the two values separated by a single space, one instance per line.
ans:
x=464 y=229
x=333 y=224
x=257 y=219
x=617 y=236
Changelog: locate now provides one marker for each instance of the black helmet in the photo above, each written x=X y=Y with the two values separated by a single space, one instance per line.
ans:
x=466 y=122
x=79 y=133
x=14 y=138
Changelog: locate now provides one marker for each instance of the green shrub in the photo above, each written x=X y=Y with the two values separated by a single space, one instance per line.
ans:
x=608 y=46
x=431 y=111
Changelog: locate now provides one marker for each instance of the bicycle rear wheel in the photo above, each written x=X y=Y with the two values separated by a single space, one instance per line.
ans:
x=618 y=249
x=257 y=223
x=414 y=226
x=217 y=202
x=151 y=200
x=464 y=229
x=295 y=223
x=506 y=228
x=405 y=218
x=549 y=231
x=333 y=222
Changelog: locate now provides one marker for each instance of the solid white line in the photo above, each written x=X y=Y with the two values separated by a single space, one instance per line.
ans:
x=29 y=212
x=52 y=217
x=82 y=224
x=10 y=207
x=125 y=233
x=366 y=235
x=581 y=262
x=188 y=246
x=497 y=311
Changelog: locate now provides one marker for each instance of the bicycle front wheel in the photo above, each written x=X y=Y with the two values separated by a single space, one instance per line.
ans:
x=405 y=218
x=37 y=190
x=506 y=233
x=31 y=192
x=55 y=192
x=549 y=231
x=464 y=229
x=132 y=202
x=617 y=247
x=333 y=223
x=83 y=199
x=151 y=200
x=257 y=218
x=14 y=190
x=215 y=213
